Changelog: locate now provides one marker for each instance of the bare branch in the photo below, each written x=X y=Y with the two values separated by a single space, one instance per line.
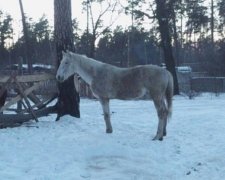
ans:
x=100 y=16
x=112 y=21
x=92 y=18
x=141 y=13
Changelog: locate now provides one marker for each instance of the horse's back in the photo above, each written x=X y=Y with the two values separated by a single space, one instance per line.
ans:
x=136 y=81
x=155 y=78
x=129 y=83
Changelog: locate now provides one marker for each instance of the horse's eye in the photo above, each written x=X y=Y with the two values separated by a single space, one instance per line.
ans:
x=66 y=62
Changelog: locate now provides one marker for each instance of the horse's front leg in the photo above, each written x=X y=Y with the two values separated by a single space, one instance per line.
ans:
x=105 y=106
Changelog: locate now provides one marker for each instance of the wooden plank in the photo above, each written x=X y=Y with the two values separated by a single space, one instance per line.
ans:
x=17 y=98
x=31 y=96
x=42 y=103
x=29 y=78
x=26 y=100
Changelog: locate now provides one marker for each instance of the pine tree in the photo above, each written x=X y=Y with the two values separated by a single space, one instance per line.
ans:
x=163 y=19
x=68 y=100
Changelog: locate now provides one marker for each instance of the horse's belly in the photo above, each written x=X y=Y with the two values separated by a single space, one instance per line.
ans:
x=130 y=93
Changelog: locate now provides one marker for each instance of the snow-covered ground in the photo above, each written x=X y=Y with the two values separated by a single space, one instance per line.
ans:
x=79 y=149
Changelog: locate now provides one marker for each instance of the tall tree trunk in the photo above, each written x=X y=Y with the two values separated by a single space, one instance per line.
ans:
x=68 y=101
x=175 y=36
x=181 y=56
x=162 y=16
x=212 y=21
x=91 y=54
x=27 y=51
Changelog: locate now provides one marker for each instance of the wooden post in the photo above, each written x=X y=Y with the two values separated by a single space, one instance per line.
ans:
x=3 y=95
x=20 y=70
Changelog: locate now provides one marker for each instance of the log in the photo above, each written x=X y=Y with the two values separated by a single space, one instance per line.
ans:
x=11 y=120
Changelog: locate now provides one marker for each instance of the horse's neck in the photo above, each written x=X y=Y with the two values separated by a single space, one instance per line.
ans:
x=87 y=69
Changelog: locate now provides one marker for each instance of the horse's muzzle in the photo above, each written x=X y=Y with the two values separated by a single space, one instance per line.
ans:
x=59 y=78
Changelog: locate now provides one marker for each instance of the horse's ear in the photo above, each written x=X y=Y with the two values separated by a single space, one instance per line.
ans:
x=63 y=53
x=69 y=52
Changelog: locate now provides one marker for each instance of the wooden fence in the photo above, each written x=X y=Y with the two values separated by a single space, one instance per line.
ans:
x=24 y=87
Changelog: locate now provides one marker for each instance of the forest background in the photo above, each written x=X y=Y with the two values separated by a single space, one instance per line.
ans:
x=126 y=33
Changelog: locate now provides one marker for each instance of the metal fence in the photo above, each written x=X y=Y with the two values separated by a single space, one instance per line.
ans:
x=189 y=82
x=208 y=84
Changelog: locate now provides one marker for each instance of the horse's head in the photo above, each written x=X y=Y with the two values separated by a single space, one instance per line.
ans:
x=66 y=67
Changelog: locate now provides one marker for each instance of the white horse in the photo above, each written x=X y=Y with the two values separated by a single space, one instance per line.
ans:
x=111 y=82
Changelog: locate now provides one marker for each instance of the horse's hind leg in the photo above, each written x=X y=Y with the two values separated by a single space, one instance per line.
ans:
x=105 y=106
x=162 y=116
x=164 y=129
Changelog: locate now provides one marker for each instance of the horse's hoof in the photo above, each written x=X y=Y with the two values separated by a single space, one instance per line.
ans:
x=57 y=118
x=157 y=138
x=109 y=131
x=164 y=134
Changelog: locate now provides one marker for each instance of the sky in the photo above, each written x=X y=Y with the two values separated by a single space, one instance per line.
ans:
x=36 y=9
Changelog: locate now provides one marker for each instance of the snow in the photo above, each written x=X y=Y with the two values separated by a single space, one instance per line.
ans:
x=184 y=69
x=79 y=149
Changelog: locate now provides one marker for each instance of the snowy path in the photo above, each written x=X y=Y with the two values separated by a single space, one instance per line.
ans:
x=77 y=149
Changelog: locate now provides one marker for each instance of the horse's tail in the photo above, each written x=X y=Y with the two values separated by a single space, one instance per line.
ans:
x=169 y=94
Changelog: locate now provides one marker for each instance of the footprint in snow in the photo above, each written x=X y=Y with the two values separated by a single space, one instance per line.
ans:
x=194 y=169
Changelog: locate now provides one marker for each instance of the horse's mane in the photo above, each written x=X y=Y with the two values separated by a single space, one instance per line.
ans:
x=83 y=57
